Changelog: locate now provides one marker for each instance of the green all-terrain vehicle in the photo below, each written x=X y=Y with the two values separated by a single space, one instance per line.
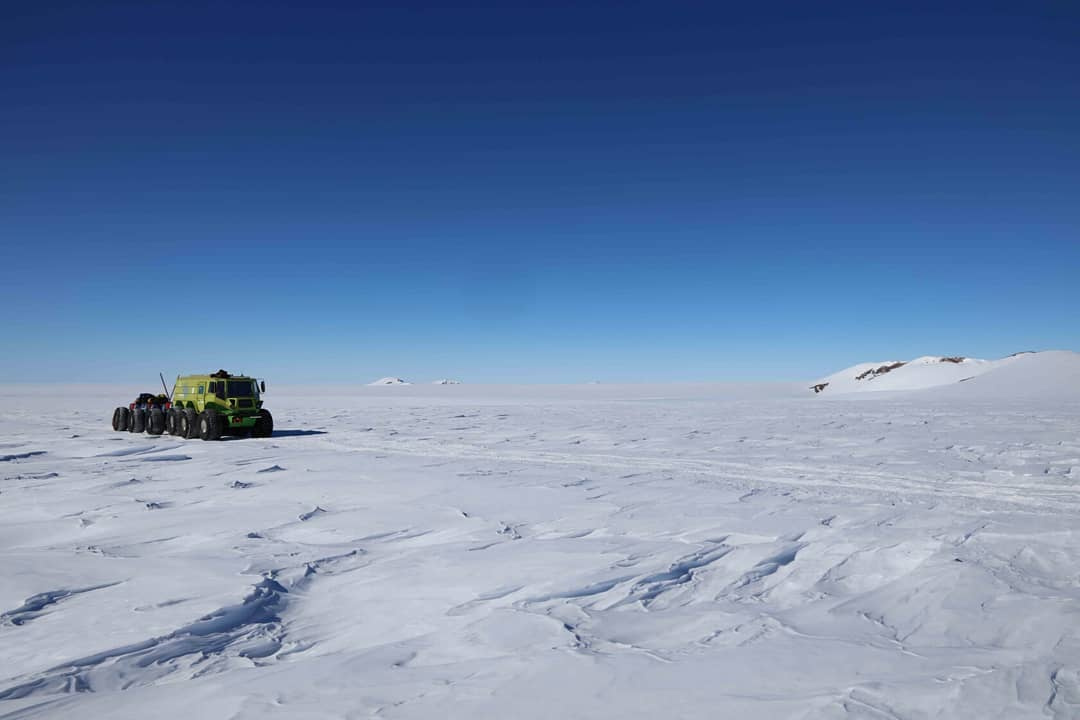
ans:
x=203 y=406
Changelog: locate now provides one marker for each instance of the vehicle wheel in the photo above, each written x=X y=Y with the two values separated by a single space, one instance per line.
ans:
x=170 y=421
x=138 y=423
x=209 y=425
x=264 y=426
x=155 y=422
x=119 y=422
x=181 y=423
x=189 y=423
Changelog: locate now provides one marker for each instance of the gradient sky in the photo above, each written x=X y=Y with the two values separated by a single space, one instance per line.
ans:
x=500 y=193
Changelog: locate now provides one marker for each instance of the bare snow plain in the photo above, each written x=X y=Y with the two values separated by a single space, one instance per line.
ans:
x=459 y=551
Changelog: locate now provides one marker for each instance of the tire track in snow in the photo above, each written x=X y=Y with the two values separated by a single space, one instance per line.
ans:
x=815 y=476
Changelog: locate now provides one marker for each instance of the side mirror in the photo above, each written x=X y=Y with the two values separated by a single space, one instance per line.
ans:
x=262 y=385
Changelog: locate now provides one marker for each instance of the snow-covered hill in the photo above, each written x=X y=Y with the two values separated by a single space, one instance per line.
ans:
x=1056 y=370
x=390 y=381
x=1049 y=375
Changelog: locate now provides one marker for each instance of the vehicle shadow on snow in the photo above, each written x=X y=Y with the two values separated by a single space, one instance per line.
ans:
x=279 y=434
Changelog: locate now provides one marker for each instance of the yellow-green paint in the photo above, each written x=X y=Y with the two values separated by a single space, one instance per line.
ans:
x=197 y=392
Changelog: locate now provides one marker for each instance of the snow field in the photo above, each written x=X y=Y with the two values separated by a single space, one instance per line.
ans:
x=595 y=551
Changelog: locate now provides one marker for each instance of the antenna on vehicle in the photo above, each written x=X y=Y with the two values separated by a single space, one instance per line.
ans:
x=167 y=393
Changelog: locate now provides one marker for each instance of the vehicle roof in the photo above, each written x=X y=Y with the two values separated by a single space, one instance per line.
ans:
x=210 y=377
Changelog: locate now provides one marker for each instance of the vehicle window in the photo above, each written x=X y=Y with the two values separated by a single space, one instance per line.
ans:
x=239 y=388
x=213 y=387
x=202 y=388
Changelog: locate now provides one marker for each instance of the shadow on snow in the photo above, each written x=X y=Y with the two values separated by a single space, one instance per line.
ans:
x=280 y=434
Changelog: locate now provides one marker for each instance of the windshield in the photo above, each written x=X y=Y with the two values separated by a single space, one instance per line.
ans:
x=240 y=388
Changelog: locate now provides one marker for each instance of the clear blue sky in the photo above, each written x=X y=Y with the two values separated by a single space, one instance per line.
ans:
x=587 y=191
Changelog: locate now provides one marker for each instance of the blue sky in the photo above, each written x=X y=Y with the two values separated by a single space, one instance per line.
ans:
x=610 y=191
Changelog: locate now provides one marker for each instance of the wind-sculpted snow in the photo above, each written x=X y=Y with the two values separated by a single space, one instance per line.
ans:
x=35 y=605
x=634 y=552
x=139 y=663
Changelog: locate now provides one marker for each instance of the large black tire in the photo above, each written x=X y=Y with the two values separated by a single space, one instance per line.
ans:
x=264 y=426
x=119 y=419
x=138 y=424
x=170 y=422
x=155 y=422
x=189 y=423
x=209 y=425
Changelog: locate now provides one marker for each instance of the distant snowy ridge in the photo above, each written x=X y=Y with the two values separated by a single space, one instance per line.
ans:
x=1047 y=372
x=398 y=381
x=922 y=372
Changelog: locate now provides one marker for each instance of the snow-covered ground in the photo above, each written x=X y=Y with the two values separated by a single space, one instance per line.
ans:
x=551 y=552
